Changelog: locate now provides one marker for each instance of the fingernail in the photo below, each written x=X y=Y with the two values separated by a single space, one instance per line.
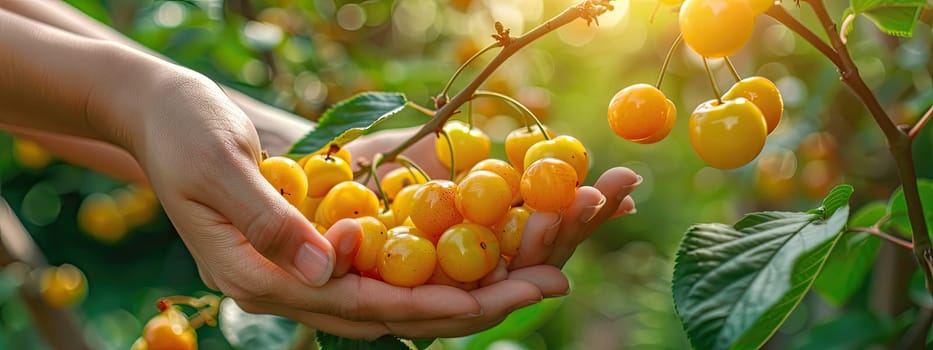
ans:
x=588 y=213
x=471 y=315
x=633 y=211
x=551 y=231
x=314 y=264
x=348 y=243
x=627 y=189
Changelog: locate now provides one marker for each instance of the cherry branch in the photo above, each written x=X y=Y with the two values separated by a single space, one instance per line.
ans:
x=923 y=121
x=899 y=142
x=884 y=235
x=588 y=10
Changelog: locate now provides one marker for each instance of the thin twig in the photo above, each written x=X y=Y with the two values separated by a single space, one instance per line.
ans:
x=427 y=111
x=883 y=235
x=781 y=15
x=923 y=121
x=587 y=10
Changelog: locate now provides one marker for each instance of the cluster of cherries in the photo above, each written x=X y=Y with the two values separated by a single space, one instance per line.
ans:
x=438 y=231
x=728 y=131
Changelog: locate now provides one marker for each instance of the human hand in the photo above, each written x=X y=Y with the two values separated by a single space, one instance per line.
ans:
x=201 y=155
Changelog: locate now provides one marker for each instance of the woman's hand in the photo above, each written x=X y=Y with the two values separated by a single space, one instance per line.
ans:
x=201 y=155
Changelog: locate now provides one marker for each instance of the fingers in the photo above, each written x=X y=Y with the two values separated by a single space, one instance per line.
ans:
x=616 y=184
x=498 y=274
x=522 y=288
x=345 y=237
x=549 y=279
x=358 y=298
x=587 y=205
x=591 y=207
x=275 y=228
x=538 y=239
x=498 y=300
x=626 y=207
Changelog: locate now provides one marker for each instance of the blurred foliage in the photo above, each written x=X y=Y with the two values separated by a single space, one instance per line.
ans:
x=305 y=55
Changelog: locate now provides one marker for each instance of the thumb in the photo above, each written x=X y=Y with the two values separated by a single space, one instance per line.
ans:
x=276 y=229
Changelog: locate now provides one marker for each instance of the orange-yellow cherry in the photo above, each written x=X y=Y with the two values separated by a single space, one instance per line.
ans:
x=469 y=145
x=764 y=94
x=565 y=148
x=287 y=177
x=483 y=197
x=467 y=252
x=549 y=185
x=727 y=135
x=325 y=172
x=520 y=140
x=347 y=199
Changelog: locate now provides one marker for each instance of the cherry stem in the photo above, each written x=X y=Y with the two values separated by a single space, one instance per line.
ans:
x=207 y=308
x=735 y=73
x=923 y=121
x=377 y=160
x=450 y=148
x=884 y=235
x=667 y=59
x=712 y=81
x=586 y=9
x=410 y=164
x=517 y=105
x=465 y=64
x=427 y=111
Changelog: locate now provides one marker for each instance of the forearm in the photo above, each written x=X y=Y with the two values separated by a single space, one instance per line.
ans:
x=100 y=156
x=276 y=128
x=58 y=82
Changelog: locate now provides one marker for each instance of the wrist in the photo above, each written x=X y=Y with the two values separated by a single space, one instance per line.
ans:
x=135 y=97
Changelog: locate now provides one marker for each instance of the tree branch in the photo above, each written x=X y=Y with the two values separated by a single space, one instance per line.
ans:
x=899 y=142
x=587 y=10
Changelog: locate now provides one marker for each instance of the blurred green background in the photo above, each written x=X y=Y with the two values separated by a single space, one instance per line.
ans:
x=304 y=55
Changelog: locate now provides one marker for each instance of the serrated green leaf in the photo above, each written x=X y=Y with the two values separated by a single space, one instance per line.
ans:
x=837 y=198
x=897 y=208
x=328 y=341
x=249 y=331
x=893 y=17
x=734 y=287
x=852 y=258
x=349 y=119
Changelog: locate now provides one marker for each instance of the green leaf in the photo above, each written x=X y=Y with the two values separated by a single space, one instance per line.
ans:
x=350 y=119
x=734 y=286
x=852 y=259
x=893 y=17
x=837 y=198
x=519 y=325
x=897 y=208
x=332 y=342
x=422 y=344
x=853 y=330
x=248 y=331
